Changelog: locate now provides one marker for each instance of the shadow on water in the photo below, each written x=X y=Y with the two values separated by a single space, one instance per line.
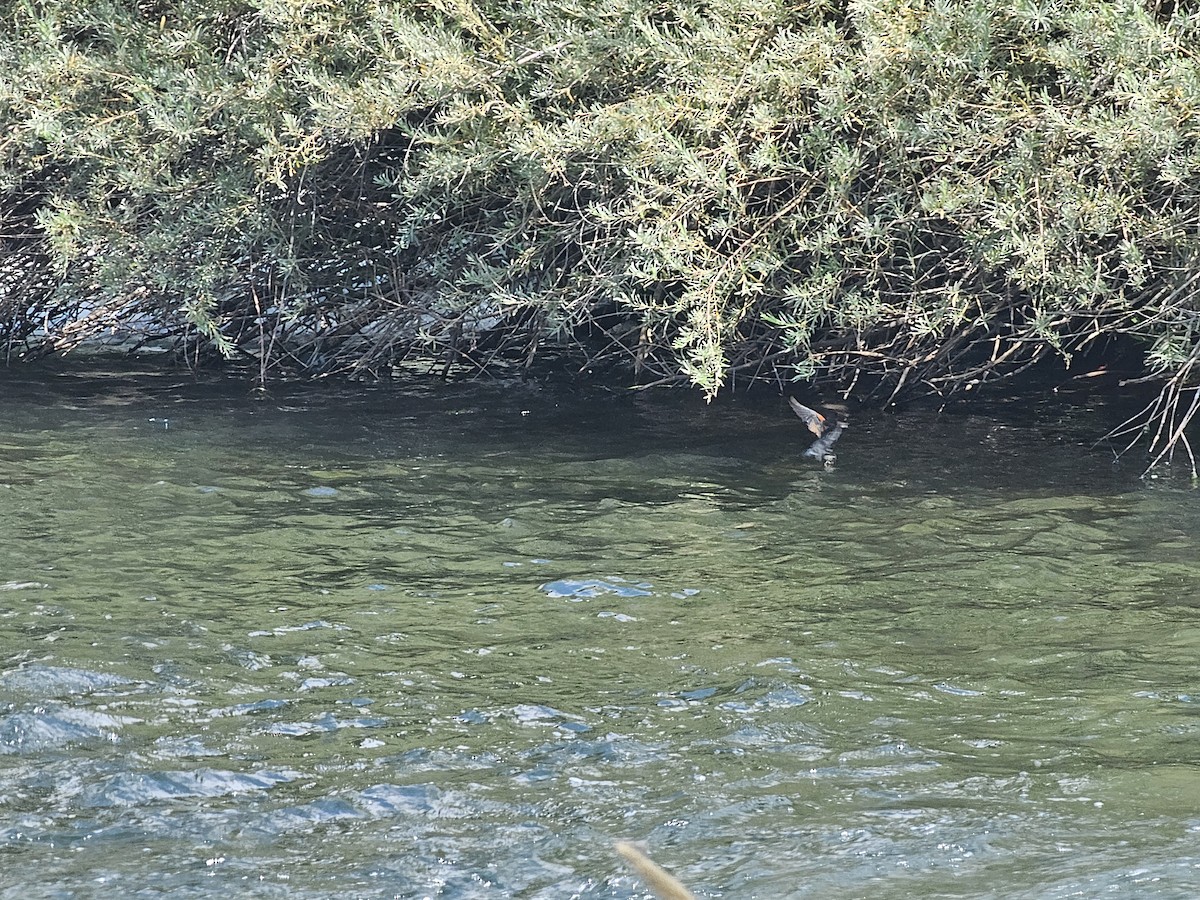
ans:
x=451 y=642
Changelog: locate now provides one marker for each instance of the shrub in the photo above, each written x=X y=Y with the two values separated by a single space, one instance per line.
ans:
x=895 y=197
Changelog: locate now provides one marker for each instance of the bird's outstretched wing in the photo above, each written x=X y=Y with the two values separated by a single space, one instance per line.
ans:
x=821 y=448
x=813 y=419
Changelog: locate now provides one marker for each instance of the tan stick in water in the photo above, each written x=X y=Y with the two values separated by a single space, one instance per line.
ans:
x=664 y=885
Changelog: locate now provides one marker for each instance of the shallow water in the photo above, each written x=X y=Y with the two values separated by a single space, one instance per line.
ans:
x=452 y=641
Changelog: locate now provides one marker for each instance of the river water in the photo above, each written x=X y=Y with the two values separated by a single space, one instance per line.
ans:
x=453 y=640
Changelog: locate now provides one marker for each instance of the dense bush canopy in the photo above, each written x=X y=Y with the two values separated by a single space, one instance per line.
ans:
x=891 y=196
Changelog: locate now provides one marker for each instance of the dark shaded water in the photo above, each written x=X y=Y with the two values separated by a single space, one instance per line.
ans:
x=452 y=642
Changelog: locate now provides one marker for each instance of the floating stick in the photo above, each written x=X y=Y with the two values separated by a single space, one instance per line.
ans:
x=661 y=882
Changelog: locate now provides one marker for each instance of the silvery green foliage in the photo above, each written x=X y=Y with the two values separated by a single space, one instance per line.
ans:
x=916 y=195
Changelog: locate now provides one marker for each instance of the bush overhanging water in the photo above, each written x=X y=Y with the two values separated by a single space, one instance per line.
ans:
x=893 y=197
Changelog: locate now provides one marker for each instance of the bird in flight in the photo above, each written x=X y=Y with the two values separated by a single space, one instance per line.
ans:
x=827 y=429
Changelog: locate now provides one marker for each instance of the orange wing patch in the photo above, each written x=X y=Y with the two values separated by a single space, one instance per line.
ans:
x=813 y=419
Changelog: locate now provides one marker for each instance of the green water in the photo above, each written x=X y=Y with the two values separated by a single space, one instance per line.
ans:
x=452 y=641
